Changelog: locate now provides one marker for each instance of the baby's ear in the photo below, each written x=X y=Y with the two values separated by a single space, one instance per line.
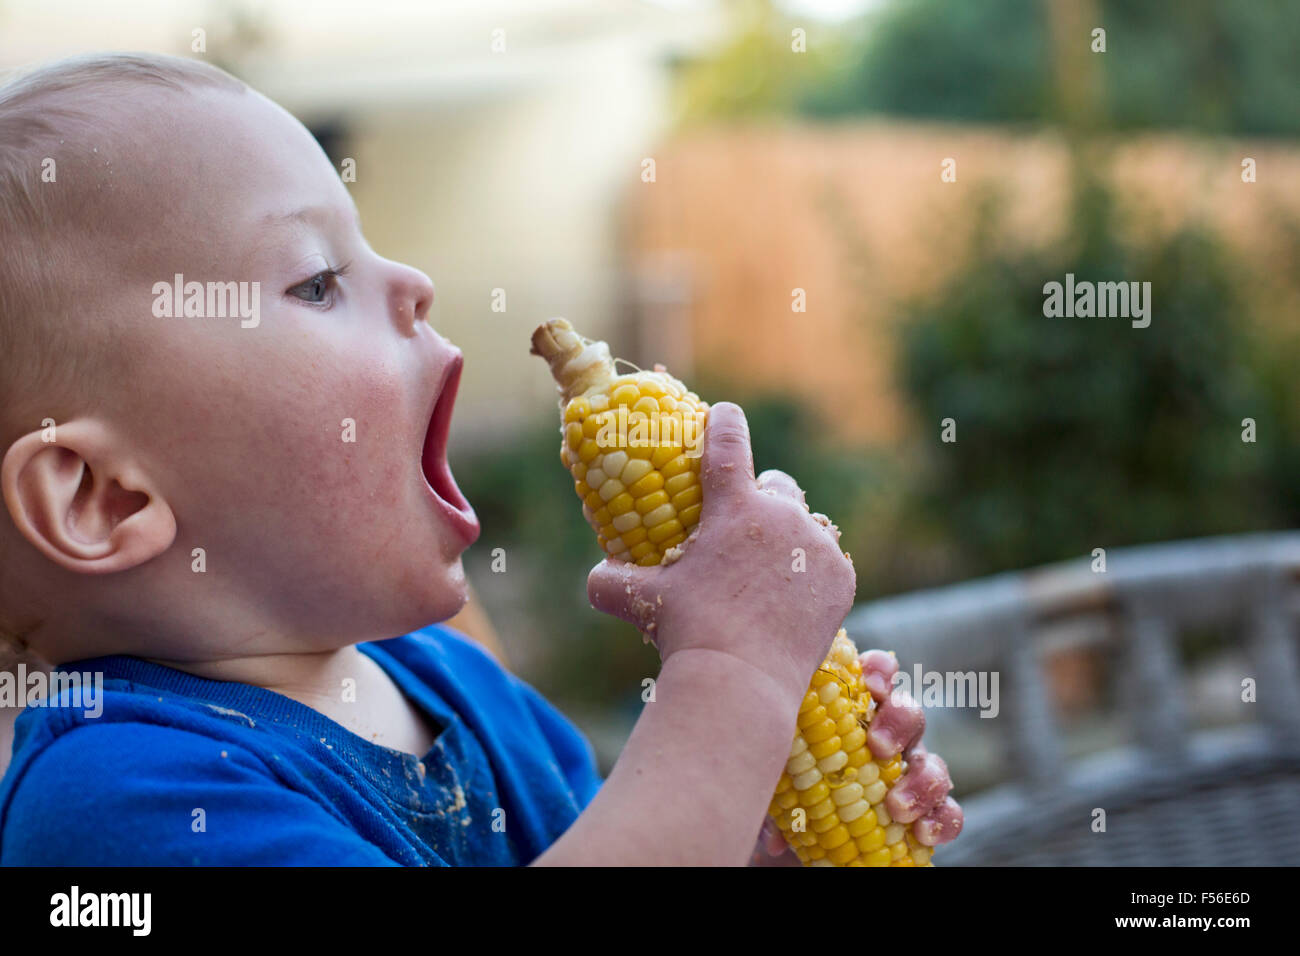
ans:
x=81 y=502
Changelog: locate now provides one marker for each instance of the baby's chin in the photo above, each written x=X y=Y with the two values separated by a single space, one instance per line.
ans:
x=442 y=595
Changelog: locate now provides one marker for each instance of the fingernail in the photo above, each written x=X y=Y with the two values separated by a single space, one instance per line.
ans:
x=885 y=739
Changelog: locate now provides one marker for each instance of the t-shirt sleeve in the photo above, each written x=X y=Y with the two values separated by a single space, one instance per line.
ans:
x=572 y=750
x=127 y=794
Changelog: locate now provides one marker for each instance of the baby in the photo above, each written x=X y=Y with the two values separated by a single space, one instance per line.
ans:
x=223 y=423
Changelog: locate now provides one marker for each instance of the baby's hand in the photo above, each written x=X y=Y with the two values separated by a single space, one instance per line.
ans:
x=761 y=579
x=921 y=796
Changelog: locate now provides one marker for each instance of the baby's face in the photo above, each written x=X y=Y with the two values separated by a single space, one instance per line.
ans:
x=304 y=454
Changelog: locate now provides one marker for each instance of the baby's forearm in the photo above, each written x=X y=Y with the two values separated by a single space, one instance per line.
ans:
x=696 y=776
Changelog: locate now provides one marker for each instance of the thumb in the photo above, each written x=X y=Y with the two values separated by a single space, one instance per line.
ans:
x=618 y=588
x=728 y=464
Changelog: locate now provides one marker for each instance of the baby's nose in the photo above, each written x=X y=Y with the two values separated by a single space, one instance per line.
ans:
x=410 y=297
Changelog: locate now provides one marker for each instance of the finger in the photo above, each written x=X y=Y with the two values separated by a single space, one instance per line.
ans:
x=773 y=843
x=940 y=825
x=831 y=527
x=899 y=721
x=728 y=465
x=617 y=588
x=922 y=788
x=878 y=670
x=779 y=483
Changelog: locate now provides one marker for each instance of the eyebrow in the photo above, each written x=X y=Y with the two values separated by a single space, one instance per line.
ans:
x=303 y=216
x=311 y=215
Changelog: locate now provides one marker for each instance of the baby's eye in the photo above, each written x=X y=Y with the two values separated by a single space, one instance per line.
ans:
x=317 y=288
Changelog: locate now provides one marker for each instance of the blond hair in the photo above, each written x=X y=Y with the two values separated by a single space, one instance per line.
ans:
x=45 y=116
x=48 y=115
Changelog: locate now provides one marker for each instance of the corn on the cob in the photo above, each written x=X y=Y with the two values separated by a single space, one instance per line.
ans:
x=829 y=803
x=631 y=443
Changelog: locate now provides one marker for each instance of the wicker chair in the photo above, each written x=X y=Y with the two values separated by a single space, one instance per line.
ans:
x=1176 y=796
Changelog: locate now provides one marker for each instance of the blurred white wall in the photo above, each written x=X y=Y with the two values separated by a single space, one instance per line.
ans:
x=487 y=168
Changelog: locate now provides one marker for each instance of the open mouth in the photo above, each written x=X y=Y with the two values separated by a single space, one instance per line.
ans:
x=437 y=472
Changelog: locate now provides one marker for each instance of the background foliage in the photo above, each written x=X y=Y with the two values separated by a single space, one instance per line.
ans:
x=1072 y=433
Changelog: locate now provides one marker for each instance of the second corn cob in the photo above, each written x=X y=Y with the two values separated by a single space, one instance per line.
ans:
x=631 y=443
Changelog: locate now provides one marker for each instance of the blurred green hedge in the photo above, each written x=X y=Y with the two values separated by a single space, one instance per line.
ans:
x=1076 y=433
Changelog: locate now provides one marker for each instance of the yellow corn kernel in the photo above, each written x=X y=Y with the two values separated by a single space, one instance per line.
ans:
x=624 y=395
x=621 y=504
x=634 y=471
x=863 y=824
x=826 y=747
x=641 y=451
x=808 y=718
x=676 y=466
x=634 y=537
x=833 y=838
x=843 y=855
x=657 y=516
x=687 y=496
x=664 y=454
x=815 y=794
x=577 y=410
x=822 y=810
x=666 y=530
x=822 y=824
x=879 y=857
x=817 y=732
x=639 y=551
x=680 y=482
x=647 y=485
x=627 y=521
x=851 y=792
x=648 y=503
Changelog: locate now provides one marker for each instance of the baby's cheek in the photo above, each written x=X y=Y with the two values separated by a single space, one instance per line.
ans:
x=362 y=453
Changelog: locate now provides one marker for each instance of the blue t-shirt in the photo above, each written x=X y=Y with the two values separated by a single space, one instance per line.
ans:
x=179 y=770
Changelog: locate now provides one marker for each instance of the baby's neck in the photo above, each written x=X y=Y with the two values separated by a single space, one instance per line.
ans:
x=314 y=678
x=344 y=685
